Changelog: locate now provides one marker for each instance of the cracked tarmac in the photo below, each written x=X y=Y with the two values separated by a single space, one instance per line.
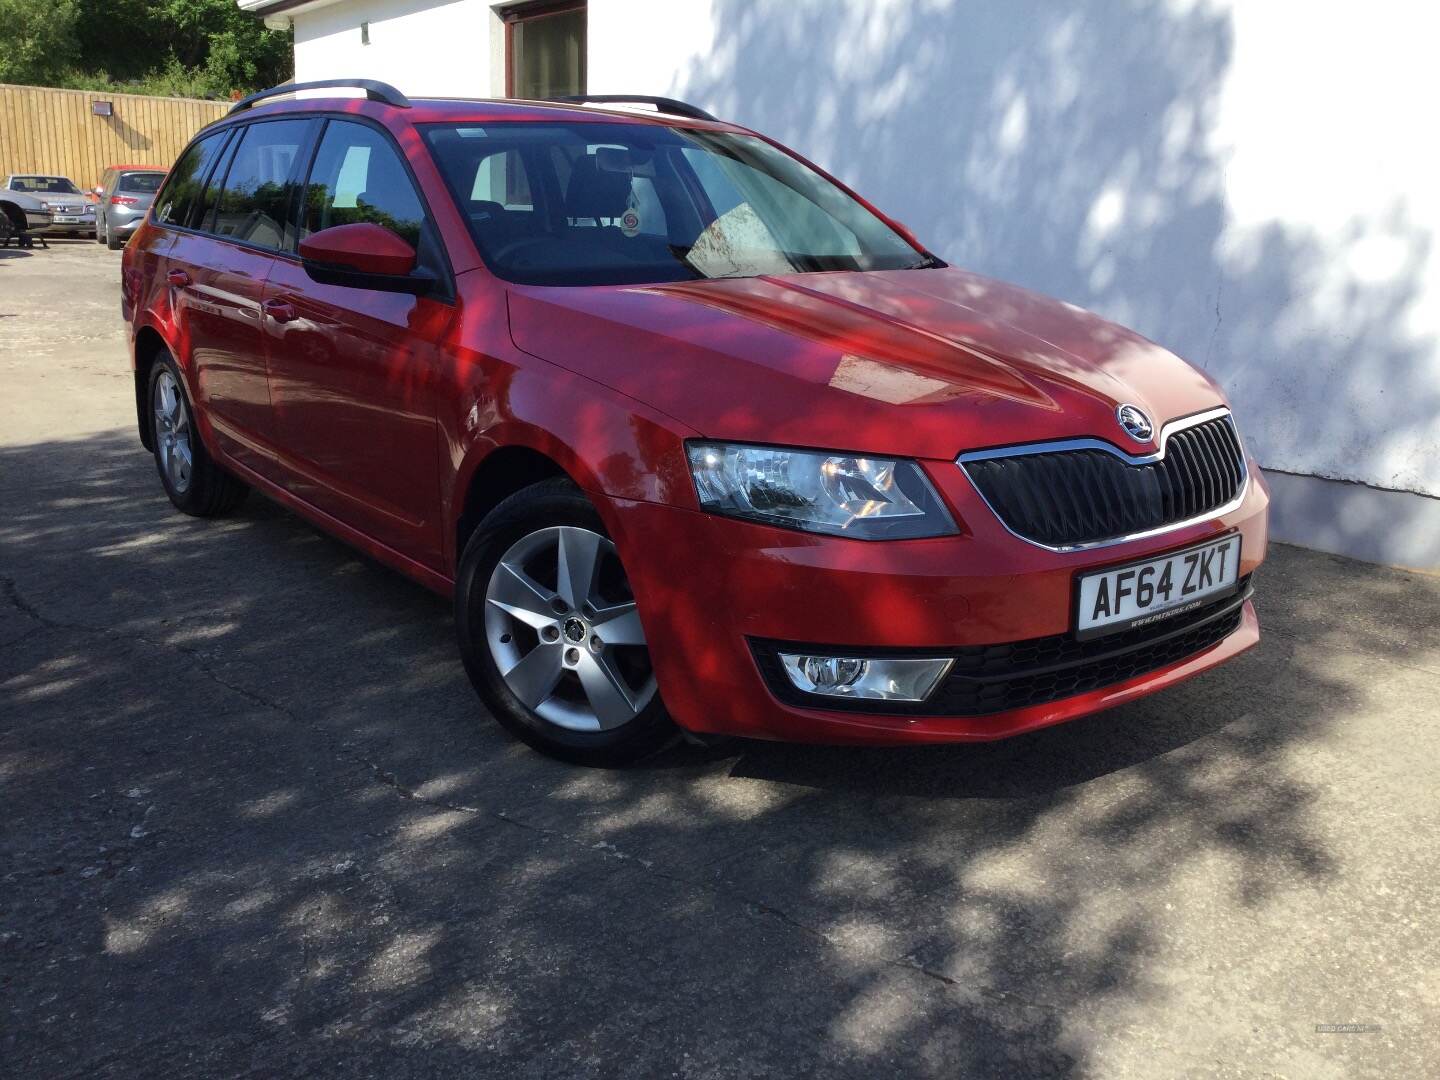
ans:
x=256 y=823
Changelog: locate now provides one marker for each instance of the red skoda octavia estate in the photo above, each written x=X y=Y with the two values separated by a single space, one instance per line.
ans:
x=697 y=439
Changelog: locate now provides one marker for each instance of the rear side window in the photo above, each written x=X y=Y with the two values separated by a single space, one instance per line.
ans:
x=254 y=202
x=141 y=183
x=178 y=199
x=359 y=177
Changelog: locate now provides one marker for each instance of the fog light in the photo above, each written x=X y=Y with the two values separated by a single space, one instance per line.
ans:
x=871 y=678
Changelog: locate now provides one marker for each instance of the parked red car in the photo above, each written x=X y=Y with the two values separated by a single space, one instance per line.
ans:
x=697 y=439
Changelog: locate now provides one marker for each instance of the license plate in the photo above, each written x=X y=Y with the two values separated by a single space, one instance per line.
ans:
x=1153 y=590
x=62 y=219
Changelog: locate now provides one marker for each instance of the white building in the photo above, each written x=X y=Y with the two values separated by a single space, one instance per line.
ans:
x=1255 y=185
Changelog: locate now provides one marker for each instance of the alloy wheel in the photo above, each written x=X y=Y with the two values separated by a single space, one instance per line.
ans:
x=172 y=433
x=562 y=627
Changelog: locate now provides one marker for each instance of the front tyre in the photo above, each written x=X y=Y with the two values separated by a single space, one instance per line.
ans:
x=550 y=634
x=195 y=484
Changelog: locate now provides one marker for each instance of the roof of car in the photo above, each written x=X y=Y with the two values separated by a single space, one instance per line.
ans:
x=481 y=110
x=136 y=168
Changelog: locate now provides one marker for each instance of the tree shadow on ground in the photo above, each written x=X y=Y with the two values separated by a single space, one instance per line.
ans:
x=257 y=820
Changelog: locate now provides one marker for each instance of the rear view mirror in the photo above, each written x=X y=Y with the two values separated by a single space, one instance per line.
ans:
x=363 y=255
x=612 y=159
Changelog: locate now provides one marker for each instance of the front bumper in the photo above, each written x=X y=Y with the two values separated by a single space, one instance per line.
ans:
x=711 y=588
x=71 y=228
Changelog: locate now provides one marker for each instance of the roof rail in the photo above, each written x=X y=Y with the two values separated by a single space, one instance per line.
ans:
x=375 y=91
x=664 y=104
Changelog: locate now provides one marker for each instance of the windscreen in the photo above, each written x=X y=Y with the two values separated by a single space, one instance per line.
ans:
x=45 y=185
x=141 y=183
x=607 y=204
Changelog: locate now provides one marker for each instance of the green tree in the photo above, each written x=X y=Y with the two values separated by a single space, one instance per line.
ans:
x=190 y=48
x=226 y=48
x=37 y=40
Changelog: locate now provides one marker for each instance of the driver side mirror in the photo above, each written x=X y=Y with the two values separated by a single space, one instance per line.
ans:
x=363 y=255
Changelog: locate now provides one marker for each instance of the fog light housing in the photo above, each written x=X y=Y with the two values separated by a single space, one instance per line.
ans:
x=868 y=678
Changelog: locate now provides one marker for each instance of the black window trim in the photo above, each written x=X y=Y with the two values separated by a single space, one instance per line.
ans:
x=444 y=288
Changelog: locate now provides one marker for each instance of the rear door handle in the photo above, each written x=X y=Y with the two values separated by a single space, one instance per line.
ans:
x=279 y=310
x=178 y=278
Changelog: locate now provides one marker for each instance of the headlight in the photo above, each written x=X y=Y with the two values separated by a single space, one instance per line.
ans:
x=44 y=205
x=840 y=494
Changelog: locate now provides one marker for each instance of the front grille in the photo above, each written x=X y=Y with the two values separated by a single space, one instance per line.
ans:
x=997 y=678
x=1083 y=495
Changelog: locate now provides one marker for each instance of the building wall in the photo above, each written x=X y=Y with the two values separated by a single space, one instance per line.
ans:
x=421 y=46
x=1254 y=185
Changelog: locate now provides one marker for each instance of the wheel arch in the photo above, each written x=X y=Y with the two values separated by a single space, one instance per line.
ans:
x=148 y=345
x=14 y=213
x=494 y=476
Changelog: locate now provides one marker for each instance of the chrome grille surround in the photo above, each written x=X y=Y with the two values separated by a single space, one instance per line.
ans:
x=1231 y=459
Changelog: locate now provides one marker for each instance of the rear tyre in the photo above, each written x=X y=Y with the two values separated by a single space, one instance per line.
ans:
x=195 y=484
x=550 y=634
x=113 y=242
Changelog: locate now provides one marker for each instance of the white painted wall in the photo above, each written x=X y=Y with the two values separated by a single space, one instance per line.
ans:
x=421 y=46
x=1253 y=183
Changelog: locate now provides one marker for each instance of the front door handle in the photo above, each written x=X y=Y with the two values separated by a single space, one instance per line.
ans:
x=279 y=310
x=178 y=278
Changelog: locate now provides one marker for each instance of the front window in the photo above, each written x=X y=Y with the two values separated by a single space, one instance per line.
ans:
x=44 y=185
x=621 y=203
x=358 y=177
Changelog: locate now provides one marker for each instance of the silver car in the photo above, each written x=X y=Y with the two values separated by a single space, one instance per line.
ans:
x=126 y=192
x=71 y=211
x=19 y=214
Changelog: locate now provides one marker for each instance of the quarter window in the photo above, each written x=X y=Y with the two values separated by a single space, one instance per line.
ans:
x=358 y=177
x=203 y=211
x=254 y=204
x=178 y=198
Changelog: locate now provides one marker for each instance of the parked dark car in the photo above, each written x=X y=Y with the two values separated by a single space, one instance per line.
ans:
x=126 y=192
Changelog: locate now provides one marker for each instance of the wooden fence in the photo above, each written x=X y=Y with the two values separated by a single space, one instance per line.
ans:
x=44 y=130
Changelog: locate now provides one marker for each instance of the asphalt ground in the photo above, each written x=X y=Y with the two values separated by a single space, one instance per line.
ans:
x=256 y=823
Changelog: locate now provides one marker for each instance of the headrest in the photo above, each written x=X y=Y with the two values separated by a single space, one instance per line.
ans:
x=594 y=193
